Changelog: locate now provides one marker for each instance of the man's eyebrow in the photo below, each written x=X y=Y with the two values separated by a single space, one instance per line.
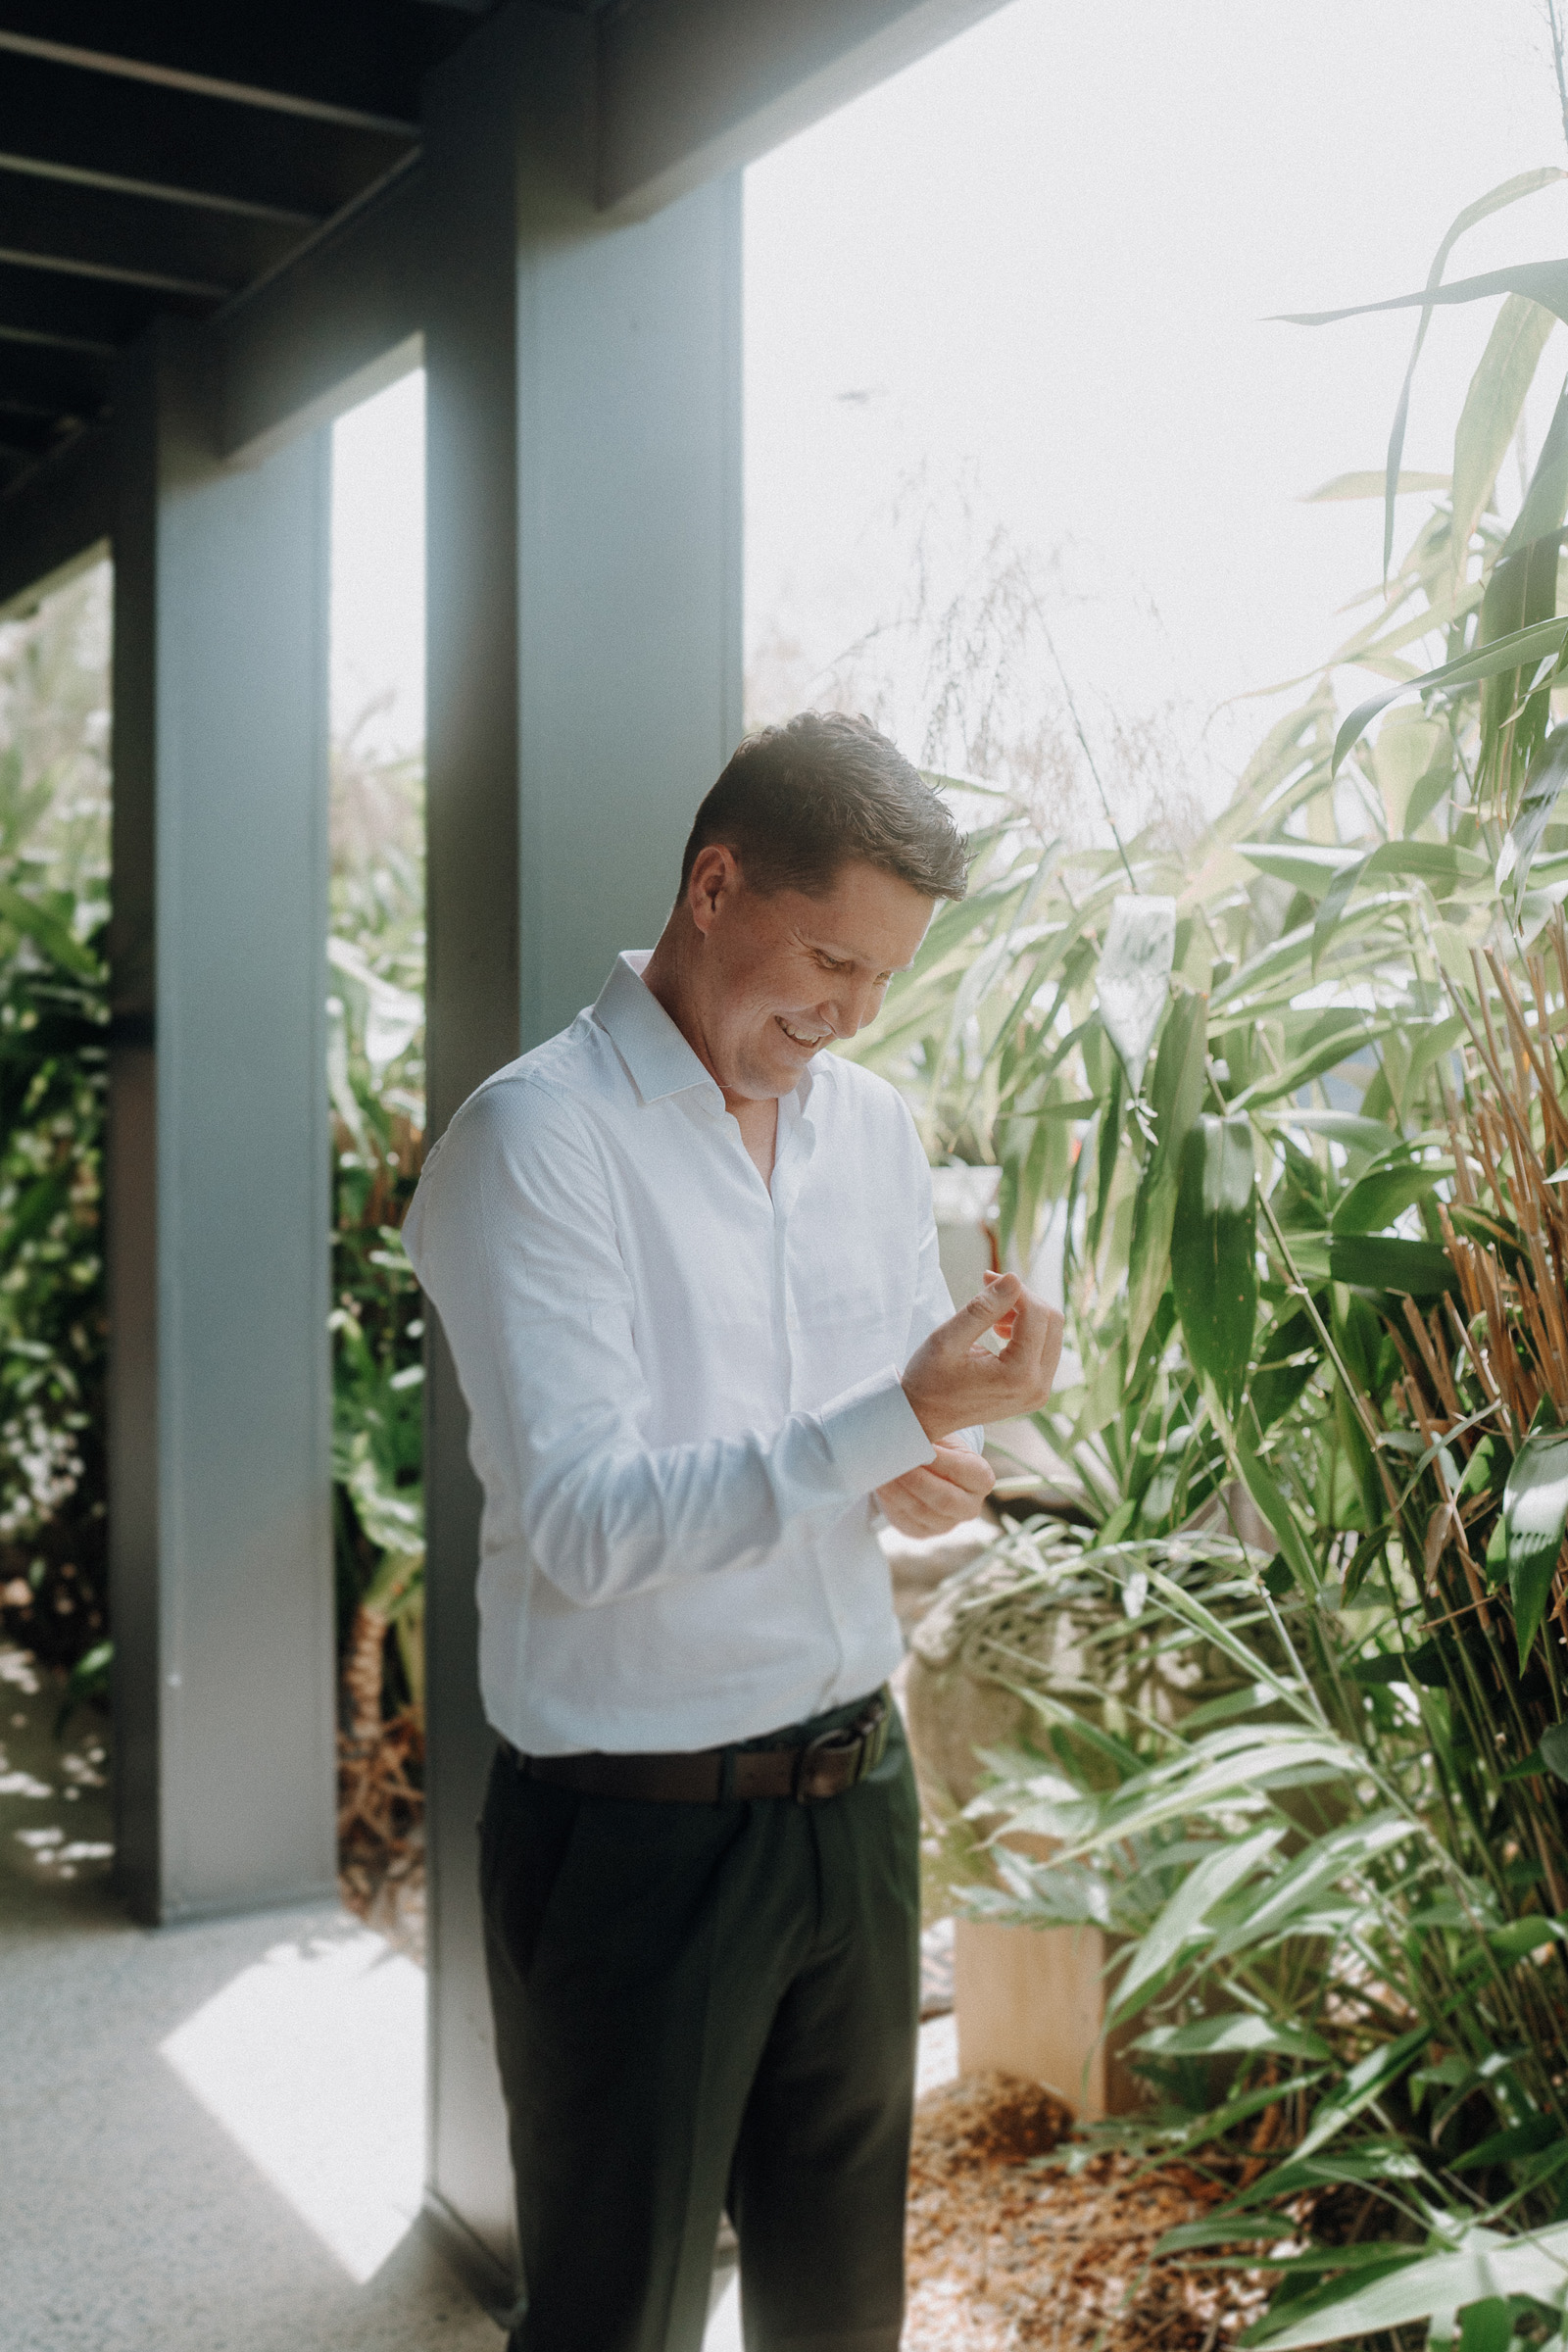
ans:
x=836 y=955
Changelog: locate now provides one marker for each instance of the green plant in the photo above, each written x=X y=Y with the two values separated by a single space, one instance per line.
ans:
x=54 y=853
x=1298 y=1118
x=376 y=1078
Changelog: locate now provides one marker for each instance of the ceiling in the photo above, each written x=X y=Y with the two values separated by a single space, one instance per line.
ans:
x=165 y=155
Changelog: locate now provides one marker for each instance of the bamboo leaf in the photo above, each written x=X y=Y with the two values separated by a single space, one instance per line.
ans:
x=1290 y=1357
x=1515 y=712
x=1545 y=500
x=1489 y=2267
x=1526 y=183
x=49 y=933
x=1300 y=864
x=1281 y=1906
x=1381 y=1196
x=1183 y=1916
x=1546 y=282
x=1506 y=2147
x=1547 y=780
x=1509 y=191
x=1385 y=1262
x=1487 y=2326
x=1244 y=2031
x=1133 y=978
x=1175 y=1093
x=1491 y=415
x=1554 y=1749
x=1520 y=649
x=1271 y=1500
x=1375 y=2073
x=1344 y=1127
x=1374 y=485
x=1535 y=1510
x=1213 y=1251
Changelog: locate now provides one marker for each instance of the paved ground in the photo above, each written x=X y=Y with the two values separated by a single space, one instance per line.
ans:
x=211 y=2137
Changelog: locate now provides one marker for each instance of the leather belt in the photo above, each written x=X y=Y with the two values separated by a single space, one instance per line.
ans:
x=820 y=1768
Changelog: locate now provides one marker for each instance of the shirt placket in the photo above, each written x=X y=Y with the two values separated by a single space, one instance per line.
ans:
x=796 y=1143
x=793 y=1156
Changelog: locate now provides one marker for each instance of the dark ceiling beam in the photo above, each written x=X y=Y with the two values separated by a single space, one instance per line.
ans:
x=25 y=437
x=359 y=62
x=174 y=248
x=108 y=134
x=102 y=231
x=59 y=509
x=36 y=380
x=78 y=314
x=693 y=88
x=321 y=334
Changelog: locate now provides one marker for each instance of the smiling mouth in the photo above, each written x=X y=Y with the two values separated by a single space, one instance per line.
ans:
x=795 y=1037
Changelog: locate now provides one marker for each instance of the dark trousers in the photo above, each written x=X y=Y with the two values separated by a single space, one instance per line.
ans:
x=702 y=2008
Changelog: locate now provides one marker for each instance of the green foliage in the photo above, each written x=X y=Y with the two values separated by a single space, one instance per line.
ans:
x=54 y=859
x=54 y=875
x=375 y=1068
x=1316 y=1262
x=1215 y=1251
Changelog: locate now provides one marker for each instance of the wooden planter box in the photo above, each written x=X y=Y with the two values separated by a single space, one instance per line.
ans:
x=1029 y=2001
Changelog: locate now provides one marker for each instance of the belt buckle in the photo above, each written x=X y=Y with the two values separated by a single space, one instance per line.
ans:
x=859 y=1735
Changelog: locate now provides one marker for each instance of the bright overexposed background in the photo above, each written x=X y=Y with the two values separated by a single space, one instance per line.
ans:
x=1011 y=369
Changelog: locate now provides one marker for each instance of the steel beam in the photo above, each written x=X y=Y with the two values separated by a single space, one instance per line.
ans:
x=221 y=1578
x=54 y=516
x=76 y=314
x=322 y=333
x=338 y=308
x=691 y=88
x=136 y=240
x=359 y=63
x=42 y=381
x=584 y=598
x=85 y=126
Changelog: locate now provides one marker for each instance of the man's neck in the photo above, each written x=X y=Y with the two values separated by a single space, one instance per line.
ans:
x=665 y=976
x=757 y=1122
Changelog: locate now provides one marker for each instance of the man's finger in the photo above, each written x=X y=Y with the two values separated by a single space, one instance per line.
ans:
x=986 y=1308
x=1033 y=1351
x=928 y=1506
x=961 y=1466
x=1031 y=1329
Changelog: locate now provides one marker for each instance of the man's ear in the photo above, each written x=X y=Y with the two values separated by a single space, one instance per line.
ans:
x=715 y=876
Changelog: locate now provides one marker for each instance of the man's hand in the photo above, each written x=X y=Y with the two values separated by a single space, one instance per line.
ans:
x=954 y=1381
x=940 y=1495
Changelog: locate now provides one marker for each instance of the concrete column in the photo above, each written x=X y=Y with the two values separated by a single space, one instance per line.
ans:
x=584 y=491
x=220 y=1399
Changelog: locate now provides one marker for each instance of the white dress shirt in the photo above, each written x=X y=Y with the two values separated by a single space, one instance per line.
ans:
x=683 y=1384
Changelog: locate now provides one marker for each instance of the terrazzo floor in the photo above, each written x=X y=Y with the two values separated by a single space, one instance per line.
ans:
x=210 y=2136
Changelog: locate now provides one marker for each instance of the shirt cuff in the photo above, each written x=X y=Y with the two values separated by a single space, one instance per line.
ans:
x=874 y=1433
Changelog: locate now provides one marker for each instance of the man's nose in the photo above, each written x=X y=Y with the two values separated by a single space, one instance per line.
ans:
x=852 y=1004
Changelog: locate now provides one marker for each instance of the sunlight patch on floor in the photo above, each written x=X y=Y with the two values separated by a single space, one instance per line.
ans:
x=312 y=2061
x=725 y=2319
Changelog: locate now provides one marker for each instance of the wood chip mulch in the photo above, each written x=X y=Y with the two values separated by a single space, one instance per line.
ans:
x=1004 y=2257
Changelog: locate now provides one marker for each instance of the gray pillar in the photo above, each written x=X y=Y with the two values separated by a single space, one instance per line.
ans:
x=219 y=1407
x=584 y=492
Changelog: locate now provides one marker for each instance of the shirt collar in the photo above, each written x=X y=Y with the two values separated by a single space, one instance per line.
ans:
x=660 y=1060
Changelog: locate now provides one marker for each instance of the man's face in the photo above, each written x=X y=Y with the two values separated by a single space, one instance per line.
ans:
x=778 y=978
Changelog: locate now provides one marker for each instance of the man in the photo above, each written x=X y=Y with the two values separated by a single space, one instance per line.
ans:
x=686 y=1264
